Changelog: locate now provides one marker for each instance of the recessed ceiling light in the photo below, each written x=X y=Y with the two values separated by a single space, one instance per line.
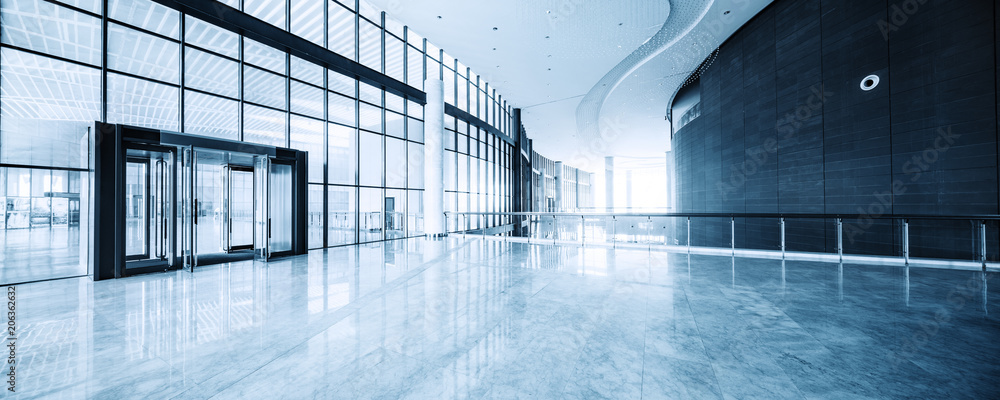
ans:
x=495 y=28
x=546 y=37
x=726 y=13
x=494 y=49
x=621 y=23
x=548 y=11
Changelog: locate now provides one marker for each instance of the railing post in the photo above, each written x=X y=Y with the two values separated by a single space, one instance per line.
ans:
x=689 y=235
x=840 y=239
x=782 y=224
x=614 y=231
x=732 y=234
x=583 y=230
x=906 y=241
x=482 y=226
x=982 y=243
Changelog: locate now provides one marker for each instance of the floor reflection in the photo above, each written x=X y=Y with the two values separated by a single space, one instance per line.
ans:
x=471 y=318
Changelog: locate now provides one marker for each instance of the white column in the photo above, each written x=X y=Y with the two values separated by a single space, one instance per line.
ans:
x=434 y=223
x=609 y=183
x=628 y=190
x=558 y=176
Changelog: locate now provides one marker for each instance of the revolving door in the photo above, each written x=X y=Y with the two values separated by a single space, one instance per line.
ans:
x=166 y=201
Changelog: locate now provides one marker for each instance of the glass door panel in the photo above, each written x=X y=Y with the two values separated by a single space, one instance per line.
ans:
x=240 y=208
x=136 y=203
x=281 y=207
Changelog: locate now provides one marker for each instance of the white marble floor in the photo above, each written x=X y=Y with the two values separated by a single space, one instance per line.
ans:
x=468 y=318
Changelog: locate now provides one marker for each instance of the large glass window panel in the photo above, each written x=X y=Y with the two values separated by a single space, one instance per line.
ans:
x=370 y=46
x=343 y=148
x=147 y=15
x=306 y=71
x=306 y=134
x=371 y=219
x=394 y=60
x=270 y=11
x=211 y=37
x=395 y=124
x=415 y=68
x=414 y=39
x=342 y=217
x=463 y=94
x=264 y=56
x=342 y=84
x=414 y=109
x=395 y=214
x=415 y=165
x=211 y=73
x=315 y=223
x=142 y=103
x=394 y=103
x=370 y=94
x=51 y=29
x=449 y=86
x=394 y=27
x=415 y=213
x=141 y=54
x=211 y=116
x=371 y=159
x=415 y=130
x=463 y=173
x=367 y=10
x=47 y=108
x=433 y=52
x=395 y=163
x=263 y=125
x=371 y=118
x=450 y=170
x=263 y=87
x=307 y=100
x=343 y=109
x=341 y=31
x=307 y=19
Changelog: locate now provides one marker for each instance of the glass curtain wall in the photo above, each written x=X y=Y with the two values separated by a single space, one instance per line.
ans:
x=167 y=70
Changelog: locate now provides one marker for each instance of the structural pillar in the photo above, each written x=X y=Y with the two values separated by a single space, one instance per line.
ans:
x=434 y=220
x=592 y=191
x=628 y=190
x=558 y=177
x=670 y=181
x=609 y=183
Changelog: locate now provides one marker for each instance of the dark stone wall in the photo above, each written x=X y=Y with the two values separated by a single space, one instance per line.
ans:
x=785 y=126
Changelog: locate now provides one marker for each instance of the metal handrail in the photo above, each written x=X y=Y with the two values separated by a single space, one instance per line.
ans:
x=840 y=218
x=984 y=217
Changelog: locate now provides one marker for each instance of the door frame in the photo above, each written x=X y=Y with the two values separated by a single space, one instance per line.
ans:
x=108 y=230
x=230 y=168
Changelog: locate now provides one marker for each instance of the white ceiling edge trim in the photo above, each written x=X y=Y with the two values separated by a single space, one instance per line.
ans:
x=684 y=17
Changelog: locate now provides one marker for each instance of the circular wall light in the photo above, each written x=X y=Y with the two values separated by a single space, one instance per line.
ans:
x=869 y=83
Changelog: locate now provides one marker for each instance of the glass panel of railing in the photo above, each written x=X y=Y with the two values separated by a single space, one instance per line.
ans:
x=597 y=229
x=543 y=227
x=812 y=235
x=631 y=229
x=945 y=239
x=568 y=228
x=868 y=236
x=758 y=233
x=662 y=231
x=710 y=232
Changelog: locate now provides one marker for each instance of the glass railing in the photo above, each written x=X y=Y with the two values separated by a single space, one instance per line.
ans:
x=959 y=237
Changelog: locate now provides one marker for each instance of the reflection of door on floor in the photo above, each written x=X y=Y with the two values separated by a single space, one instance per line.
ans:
x=390 y=209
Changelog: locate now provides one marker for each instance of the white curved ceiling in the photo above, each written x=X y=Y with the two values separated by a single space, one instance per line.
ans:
x=550 y=53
